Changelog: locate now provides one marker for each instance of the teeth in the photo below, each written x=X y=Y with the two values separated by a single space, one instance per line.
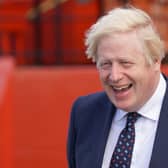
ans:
x=121 y=88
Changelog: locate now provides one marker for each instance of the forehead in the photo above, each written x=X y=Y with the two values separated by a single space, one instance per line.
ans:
x=120 y=44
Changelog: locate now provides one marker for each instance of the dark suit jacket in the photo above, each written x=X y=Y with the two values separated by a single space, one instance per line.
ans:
x=90 y=122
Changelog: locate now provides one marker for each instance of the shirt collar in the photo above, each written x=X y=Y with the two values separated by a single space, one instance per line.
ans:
x=151 y=109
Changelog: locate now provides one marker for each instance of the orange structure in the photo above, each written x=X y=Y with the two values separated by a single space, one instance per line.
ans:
x=51 y=32
x=16 y=34
x=46 y=32
x=41 y=106
x=6 y=132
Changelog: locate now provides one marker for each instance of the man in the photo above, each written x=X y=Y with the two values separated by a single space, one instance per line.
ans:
x=128 y=54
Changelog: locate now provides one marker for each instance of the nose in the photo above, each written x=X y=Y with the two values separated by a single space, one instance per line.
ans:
x=115 y=74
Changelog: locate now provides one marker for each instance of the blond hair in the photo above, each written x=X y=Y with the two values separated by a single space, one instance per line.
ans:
x=124 y=20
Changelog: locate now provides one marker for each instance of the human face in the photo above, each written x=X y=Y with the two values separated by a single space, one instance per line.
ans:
x=127 y=78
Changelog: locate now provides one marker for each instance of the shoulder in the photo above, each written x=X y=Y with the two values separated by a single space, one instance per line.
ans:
x=166 y=93
x=91 y=100
x=91 y=106
x=91 y=110
x=166 y=79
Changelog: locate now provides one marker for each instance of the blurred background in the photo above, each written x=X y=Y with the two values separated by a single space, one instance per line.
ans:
x=43 y=68
x=51 y=32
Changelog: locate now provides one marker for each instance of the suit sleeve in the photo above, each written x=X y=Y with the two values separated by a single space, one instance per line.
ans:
x=71 y=141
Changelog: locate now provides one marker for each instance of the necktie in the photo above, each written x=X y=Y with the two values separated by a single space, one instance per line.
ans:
x=122 y=154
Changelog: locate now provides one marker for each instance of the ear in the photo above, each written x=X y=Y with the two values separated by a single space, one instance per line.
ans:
x=157 y=64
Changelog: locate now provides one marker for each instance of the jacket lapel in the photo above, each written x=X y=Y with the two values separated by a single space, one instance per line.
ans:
x=160 y=149
x=110 y=110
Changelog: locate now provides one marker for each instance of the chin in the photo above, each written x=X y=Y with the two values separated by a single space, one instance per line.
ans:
x=125 y=107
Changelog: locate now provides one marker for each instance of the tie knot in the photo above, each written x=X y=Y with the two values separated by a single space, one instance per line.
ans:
x=132 y=118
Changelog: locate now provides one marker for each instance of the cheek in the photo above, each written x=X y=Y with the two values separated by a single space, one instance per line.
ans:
x=145 y=85
x=103 y=76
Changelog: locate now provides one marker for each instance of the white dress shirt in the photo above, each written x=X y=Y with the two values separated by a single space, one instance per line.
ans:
x=145 y=128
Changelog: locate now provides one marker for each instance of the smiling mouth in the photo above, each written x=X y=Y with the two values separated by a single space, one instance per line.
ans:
x=121 y=88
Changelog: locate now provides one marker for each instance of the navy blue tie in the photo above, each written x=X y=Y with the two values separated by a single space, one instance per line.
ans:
x=122 y=154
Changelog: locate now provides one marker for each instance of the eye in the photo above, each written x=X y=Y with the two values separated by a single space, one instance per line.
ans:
x=126 y=63
x=105 y=65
